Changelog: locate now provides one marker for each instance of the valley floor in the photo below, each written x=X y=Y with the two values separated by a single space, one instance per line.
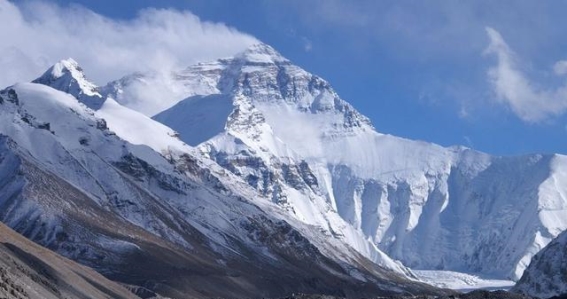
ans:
x=461 y=282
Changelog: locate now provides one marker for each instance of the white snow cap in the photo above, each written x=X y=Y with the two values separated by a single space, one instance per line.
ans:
x=64 y=66
x=261 y=53
x=67 y=71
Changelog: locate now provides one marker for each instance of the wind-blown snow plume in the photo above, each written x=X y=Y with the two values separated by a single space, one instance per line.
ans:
x=528 y=100
x=39 y=34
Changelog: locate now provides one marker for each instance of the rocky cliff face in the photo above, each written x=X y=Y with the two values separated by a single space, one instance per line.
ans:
x=546 y=275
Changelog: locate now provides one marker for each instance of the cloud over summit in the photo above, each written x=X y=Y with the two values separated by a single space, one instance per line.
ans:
x=40 y=34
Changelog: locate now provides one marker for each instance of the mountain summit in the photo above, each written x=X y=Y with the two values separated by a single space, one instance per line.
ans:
x=68 y=76
x=261 y=54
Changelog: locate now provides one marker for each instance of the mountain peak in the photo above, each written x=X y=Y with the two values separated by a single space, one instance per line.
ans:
x=261 y=53
x=67 y=76
x=65 y=66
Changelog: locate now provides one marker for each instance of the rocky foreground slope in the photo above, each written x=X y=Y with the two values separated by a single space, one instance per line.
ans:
x=28 y=270
x=479 y=294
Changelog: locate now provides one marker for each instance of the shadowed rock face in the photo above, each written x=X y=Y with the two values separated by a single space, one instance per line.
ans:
x=546 y=275
x=29 y=271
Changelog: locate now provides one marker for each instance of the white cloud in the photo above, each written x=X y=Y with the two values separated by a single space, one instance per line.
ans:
x=468 y=141
x=37 y=34
x=307 y=44
x=560 y=67
x=529 y=101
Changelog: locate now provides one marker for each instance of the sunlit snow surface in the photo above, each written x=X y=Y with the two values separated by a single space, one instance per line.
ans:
x=461 y=281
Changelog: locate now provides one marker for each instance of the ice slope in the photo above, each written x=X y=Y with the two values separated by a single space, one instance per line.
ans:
x=197 y=210
x=207 y=112
x=291 y=137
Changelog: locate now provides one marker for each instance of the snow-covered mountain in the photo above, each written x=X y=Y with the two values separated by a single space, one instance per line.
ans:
x=115 y=190
x=546 y=275
x=290 y=136
x=241 y=169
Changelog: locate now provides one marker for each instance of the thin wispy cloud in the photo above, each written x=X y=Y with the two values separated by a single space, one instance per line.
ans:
x=441 y=41
x=560 y=67
x=37 y=34
x=530 y=101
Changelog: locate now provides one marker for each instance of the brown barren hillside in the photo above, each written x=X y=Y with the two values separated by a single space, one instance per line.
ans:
x=28 y=270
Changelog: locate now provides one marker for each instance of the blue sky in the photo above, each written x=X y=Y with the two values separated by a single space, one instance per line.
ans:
x=490 y=75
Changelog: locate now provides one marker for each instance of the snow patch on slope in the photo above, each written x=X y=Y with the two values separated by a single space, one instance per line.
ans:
x=137 y=128
x=205 y=118
x=546 y=275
